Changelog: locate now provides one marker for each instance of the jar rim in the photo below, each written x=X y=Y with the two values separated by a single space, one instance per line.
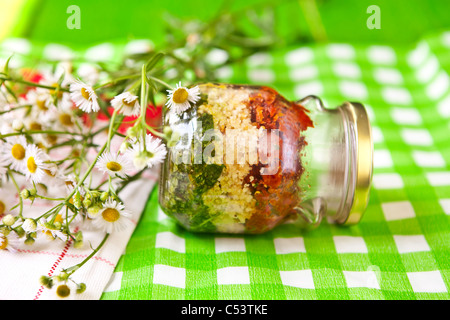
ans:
x=362 y=177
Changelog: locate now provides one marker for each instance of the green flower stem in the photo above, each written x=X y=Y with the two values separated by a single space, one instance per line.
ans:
x=18 y=192
x=50 y=199
x=91 y=167
x=48 y=213
x=143 y=96
x=111 y=128
x=161 y=82
x=32 y=84
x=74 y=268
x=133 y=76
x=15 y=108
x=2 y=136
x=156 y=133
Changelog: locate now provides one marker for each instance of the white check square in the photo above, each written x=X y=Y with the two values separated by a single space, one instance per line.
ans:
x=439 y=179
x=388 y=76
x=416 y=137
x=406 y=116
x=439 y=86
x=298 y=278
x=303 y=73
x=445 y=204
x=353 y=89
x=261 y=75
x=233 y=275
x=299 y=56
x=289 y=245
x=396 y=95
x=349 y=244
x=381 y=54
x=361 y=279
x=387 y=181
x=411 y=243
x=308 y=88
x=170 y=241
x=341 y=51
x=428 y=70
x=428 y=159
x=382 y=159
x=346 y=69
x=427 y=281
x=224 y=244
x=169 y=276
x=443 y=107
x=398 y=210
x=377 y=135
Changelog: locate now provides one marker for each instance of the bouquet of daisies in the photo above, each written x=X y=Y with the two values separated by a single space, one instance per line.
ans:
x=57 y=131
x=76 y=134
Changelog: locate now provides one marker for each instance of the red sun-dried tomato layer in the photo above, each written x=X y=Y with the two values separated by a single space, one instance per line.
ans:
x=277 y=194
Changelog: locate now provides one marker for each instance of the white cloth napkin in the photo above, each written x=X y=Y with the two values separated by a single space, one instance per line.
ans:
x=20 y=271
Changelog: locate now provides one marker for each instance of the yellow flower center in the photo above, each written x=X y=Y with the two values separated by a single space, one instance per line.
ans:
x=65 y=119
x=129 y=104
x=85 y=94
x=49 y=172
x=180 y=95
x=41 y=105
x=51 y=138
x=2 y=207
x=31 y=165
x=49 y=235
x=110 y=215
x=52 y=92
x=63 y=291
x=18 y=151
x=3 y=242
x=59 y=218
x=34 y=126
x=113 y=166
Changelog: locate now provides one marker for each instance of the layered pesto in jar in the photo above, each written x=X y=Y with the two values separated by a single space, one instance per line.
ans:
x=237 y=164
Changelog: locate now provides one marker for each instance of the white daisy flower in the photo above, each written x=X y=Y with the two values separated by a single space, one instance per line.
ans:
x=14 y=152
x=112 y=217
x=7 y=199
x=71 y=182
x=113 y=164
x=180 y=98
x=29 y=225
x=88 y=73
x=148 y=153
x=3 y=167
x=84 y=97
x=50 y=178
x=64 y=290
x=52 y=78
x=10 y=242
x=127 y=104
x=36 y=166
x=35 y=122
x=41 y=98
x=50 y=233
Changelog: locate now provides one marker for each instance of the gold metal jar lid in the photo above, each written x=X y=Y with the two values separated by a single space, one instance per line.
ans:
x=363 y=157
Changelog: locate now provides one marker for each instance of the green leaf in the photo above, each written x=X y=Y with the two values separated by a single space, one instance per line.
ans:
x=6 y=68
x=153 y=61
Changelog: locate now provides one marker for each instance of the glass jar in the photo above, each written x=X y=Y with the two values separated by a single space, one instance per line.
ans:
x=248 y=160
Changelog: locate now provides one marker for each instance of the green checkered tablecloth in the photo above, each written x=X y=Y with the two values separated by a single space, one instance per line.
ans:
x=400 y=249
